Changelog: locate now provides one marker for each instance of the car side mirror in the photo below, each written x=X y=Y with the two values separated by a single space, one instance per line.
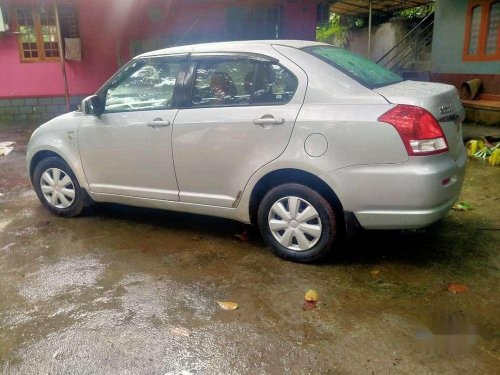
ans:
x=92 y=105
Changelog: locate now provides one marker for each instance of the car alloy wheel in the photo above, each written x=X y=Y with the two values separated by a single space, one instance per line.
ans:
x=57 y=188
x=295 y=223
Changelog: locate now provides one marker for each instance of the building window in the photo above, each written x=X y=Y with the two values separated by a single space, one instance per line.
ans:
x=323 y=12
x=254 y=22
x=482 y=31
x=38 y=34
x=492 y=36
x=68 y=19
x=27 y=37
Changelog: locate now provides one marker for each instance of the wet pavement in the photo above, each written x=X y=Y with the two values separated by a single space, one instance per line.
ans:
x=134 y=291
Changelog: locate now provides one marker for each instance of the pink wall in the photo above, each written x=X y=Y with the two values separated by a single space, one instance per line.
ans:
x=107 y=29
x=28 y=79
x=25 y=79
x=300 y=20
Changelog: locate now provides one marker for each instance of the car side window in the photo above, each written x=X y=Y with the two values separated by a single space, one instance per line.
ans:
x=223 y=83
x=147 y=84
x=274 y=85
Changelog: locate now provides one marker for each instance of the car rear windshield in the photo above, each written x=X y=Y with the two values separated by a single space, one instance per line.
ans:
x=362 y=70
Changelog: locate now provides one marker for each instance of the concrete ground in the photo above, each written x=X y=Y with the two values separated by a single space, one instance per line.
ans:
x=131 y=291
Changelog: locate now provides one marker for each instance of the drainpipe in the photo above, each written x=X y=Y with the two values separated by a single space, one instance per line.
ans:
x=370 y=29
x=61 y=55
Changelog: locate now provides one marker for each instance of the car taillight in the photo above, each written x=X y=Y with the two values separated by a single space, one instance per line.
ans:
x=418 y=128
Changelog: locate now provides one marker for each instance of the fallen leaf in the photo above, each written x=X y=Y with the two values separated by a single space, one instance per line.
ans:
x=309 y=305
x=196 y=238
x=6 y=148
x=243 y=236
x=462 y=206
x=375 y=272
x=311 y=296
x=225 y=305
x=180 y=331
x=458 y=288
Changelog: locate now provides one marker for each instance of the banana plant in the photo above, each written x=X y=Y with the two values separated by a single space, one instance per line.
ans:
x=484 y=150
x=495 y=155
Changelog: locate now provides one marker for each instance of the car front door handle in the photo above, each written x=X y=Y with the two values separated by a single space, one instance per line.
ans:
x=269 y=120
x=157 y=123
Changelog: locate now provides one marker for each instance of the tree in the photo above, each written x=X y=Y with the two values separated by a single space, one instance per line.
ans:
x=332 y=31
x=417 y=12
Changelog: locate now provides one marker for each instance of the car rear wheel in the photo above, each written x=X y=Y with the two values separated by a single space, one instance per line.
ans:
x=57 y=187
x=298 y=223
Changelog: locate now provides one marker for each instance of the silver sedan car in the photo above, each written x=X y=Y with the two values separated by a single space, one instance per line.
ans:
x=303 y=139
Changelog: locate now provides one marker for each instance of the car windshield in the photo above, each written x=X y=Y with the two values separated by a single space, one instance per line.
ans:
x=362 y=70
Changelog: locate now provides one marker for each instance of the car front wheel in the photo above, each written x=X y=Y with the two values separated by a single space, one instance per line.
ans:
x=298 y=223
x=57 y=187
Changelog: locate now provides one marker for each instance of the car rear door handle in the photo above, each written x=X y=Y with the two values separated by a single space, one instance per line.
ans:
x=269 y=120
x=157 y=123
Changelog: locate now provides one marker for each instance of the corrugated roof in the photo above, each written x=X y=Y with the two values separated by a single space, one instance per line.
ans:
x=379 y=7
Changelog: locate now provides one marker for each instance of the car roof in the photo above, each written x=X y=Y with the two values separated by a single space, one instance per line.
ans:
x=224 y=46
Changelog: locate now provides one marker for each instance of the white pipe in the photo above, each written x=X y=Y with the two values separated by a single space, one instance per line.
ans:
x=370 y=29
x=61 y=56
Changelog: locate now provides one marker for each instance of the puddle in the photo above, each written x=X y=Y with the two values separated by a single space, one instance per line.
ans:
x=67 y=275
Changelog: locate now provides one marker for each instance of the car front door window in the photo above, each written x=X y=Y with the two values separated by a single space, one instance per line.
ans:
x=147 y=85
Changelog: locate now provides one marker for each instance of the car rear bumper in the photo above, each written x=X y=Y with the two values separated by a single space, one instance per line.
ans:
x=410 y=195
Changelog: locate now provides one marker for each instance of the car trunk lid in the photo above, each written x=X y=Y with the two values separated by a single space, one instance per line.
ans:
x=439 y=99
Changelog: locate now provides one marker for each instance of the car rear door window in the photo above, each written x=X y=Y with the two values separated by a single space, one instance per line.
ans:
x=273 y=85
x=241 y=82
x=148 y=84
x=223 y=83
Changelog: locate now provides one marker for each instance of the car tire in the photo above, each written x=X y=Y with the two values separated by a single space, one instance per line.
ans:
x=57 y=188
x=298 y=223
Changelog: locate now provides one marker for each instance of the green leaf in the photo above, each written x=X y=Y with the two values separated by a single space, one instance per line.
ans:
x=462 y=206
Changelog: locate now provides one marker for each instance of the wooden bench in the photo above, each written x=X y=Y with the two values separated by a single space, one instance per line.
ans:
x=485 y=109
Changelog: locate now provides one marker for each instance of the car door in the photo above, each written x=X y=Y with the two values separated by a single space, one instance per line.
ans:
x=239 y=116
x=127 y=150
